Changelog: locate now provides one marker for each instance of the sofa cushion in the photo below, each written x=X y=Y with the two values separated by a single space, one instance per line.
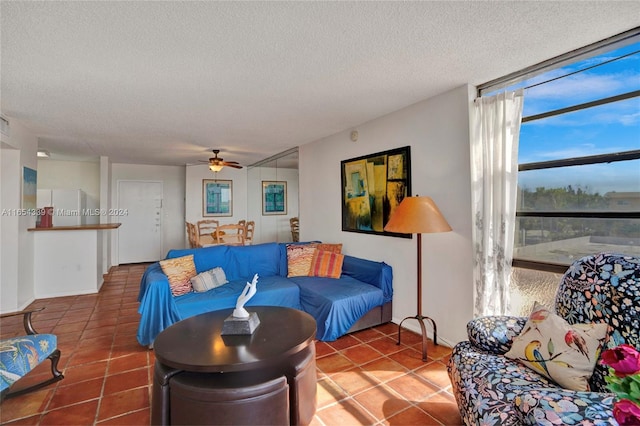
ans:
x=485 y=385
x=562 y=352
x=560 y=406
x=179 y=271
x=326 y=264
x=336 y=304
x=207 y=280
x=604 y=287
x=204 y=258
x=246 y=261
x=272 y=291
x=495 y=333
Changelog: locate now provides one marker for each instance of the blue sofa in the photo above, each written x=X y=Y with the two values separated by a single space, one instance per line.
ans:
x=491 y=389
x=360 y=298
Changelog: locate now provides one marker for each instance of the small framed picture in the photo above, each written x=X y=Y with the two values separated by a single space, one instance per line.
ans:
x=217 y=197
x=274 y=197
x=29 y=188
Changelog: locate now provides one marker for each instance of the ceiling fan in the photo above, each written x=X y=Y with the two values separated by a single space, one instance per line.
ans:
x=216 y=163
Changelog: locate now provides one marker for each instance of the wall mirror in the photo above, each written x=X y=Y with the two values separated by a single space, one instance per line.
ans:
x=279 y=172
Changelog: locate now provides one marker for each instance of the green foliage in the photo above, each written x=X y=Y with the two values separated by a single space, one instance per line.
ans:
x=624 y=387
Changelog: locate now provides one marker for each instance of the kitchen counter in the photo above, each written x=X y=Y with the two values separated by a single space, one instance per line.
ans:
x=98 y=226
x=68 y=260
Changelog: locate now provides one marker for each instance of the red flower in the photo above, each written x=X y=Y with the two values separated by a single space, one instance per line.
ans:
x=624 y=359
x=626 y=412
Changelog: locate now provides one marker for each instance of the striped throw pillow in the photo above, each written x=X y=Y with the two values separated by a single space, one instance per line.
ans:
x=207 y=280
x=326 y=264
x=333 y=248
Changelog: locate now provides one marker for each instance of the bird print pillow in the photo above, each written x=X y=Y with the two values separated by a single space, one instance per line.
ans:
x=564 y=353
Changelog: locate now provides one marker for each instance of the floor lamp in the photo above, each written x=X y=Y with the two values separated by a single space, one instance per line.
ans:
x=418 y=215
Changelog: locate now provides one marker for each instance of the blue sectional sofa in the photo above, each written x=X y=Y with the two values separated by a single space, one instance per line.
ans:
x=360 y=298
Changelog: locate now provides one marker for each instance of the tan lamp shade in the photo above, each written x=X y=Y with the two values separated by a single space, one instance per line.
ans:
x=417 y=215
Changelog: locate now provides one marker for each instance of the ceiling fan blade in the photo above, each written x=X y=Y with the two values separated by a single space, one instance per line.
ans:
x=235 y=166
x=231 y=162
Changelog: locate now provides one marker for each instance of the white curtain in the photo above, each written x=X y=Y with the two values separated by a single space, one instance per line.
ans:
x=494 y=173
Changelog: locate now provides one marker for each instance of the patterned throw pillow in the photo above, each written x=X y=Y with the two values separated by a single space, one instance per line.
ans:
x=179 y=271
x=562 y=352
x=326 y=264
x=207 y=280
x=299 y=257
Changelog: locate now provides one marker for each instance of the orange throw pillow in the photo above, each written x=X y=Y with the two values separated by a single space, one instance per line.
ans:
x=333 y=248
x=326 y=264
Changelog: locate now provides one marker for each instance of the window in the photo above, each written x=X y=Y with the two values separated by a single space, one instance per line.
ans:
x=579 y=155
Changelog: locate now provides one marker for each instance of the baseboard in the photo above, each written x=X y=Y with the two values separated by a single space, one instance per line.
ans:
x=63 y=294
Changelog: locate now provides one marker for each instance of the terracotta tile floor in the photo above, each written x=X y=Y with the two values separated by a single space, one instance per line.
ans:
x=363 y=378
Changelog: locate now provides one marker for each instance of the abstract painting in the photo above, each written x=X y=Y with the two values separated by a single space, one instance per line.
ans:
x=372 y=187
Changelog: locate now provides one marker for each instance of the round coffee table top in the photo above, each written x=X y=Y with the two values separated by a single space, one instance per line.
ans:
x=195 y=344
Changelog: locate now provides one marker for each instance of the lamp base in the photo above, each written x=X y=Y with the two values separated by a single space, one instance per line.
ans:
x=423 y=329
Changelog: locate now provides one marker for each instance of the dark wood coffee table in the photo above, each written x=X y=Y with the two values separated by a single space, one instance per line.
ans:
x=282 y=345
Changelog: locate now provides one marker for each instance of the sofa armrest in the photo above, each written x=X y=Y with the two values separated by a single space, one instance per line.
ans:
x=567 y=407
x=157 y=308
x=495 y=333
x=378 y=274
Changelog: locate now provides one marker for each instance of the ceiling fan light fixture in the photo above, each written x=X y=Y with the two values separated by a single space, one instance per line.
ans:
x=215 y=167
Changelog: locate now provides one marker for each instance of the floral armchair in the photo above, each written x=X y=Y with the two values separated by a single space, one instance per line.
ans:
x=21 y=354
x=492 y=389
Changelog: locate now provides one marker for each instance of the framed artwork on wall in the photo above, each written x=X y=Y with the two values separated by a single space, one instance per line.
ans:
x=217 y=197
x=29 y=188
x=274 y=197
x=372 y=187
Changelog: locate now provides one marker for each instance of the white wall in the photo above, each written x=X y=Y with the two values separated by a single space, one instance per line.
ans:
x=84 y=175
x=18 y=149
x=437 y=130
x=173 y=181
x=9 y=199
x=104 y=241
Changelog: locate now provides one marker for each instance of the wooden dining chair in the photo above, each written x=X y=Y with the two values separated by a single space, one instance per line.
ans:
x=206 y=229
x=231 y=235
x=192 y=233
x=295 y=228
x=248 y=232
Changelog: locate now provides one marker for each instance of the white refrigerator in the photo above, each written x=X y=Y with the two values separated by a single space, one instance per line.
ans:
x=69 y=205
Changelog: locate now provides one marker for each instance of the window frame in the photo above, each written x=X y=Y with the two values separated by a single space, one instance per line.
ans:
x=594 y=49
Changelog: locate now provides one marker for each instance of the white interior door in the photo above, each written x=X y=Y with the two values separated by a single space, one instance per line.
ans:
x=140 y=235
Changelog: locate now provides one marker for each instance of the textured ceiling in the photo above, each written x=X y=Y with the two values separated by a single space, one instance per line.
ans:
x=165 y=82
